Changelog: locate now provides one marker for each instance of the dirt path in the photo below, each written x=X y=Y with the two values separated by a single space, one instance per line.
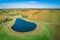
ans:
x=35 y=17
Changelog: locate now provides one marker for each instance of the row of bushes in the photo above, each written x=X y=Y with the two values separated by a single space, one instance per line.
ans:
x=5 y=20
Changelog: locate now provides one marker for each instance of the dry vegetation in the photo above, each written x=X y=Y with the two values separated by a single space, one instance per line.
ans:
x=31 y=14
x=48 y=16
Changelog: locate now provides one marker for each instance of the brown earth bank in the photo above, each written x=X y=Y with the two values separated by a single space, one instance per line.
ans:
x=49 y=16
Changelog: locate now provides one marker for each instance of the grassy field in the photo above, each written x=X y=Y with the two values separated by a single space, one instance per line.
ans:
x=48 y=20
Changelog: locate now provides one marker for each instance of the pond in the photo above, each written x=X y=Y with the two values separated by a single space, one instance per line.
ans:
x=21 y=25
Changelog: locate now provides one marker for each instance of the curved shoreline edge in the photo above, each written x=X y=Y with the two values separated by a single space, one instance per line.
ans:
x=13 y=21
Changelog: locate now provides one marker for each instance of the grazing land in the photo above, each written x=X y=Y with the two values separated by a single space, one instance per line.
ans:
x=47 y=21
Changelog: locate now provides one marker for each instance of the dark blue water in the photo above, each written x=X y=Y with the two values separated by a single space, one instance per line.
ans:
x=21 y=25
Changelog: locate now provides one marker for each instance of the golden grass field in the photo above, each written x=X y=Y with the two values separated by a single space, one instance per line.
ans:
x=48 y=21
